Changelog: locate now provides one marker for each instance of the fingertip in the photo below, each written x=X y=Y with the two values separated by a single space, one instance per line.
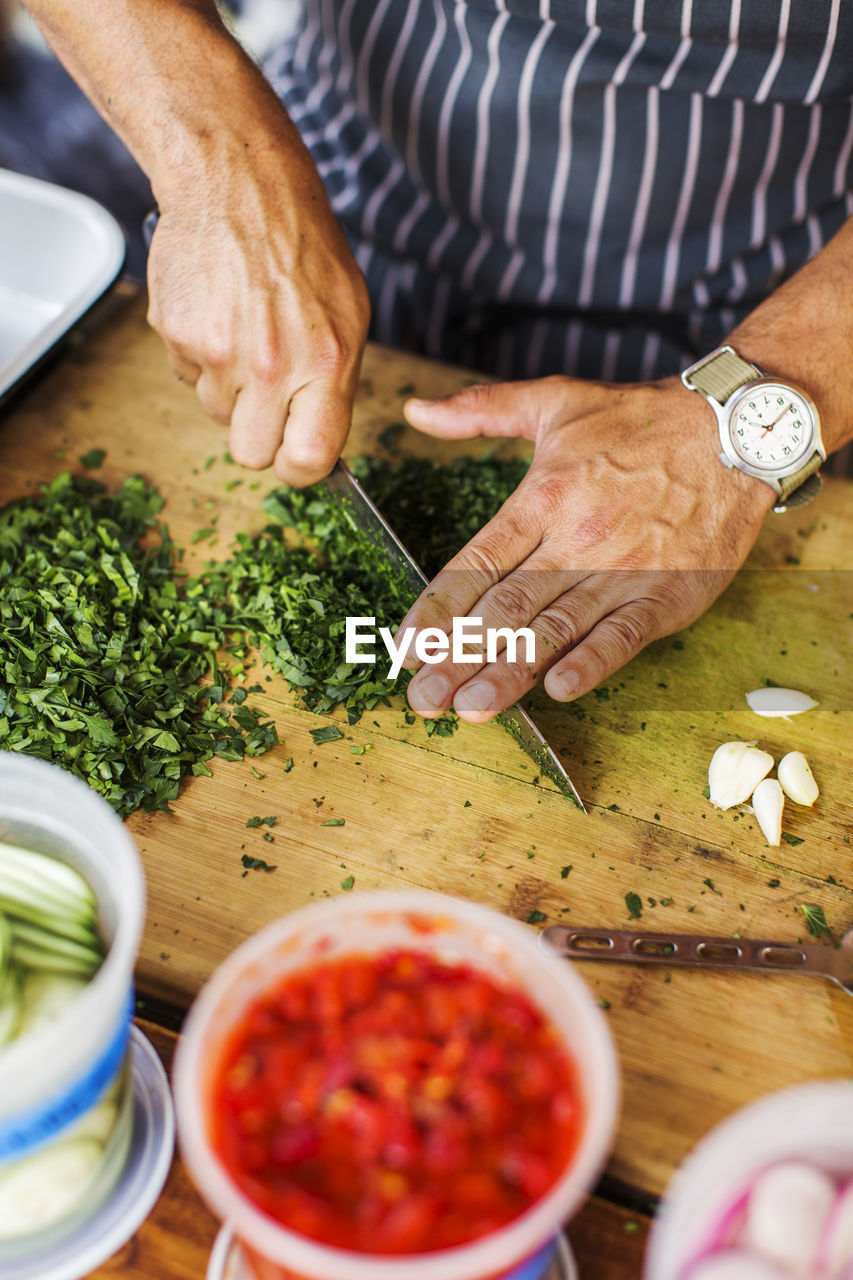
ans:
x=563 y=683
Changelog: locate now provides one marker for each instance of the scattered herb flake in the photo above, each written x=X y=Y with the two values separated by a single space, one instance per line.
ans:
x=93 y=459
x=634 y=903
x=789 y=839
x=712 y=887
x=536 y=917
x=564 y=874
x=348 y=883
x=816 y=921
x=333 y=822
x=328 y=733
x=255 y=864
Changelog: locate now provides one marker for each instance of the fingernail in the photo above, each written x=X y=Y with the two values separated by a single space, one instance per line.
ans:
x=567 y=683
x=479 y=696
x=429 y=694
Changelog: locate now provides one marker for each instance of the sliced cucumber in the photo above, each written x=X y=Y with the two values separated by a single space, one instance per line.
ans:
x=5 y=945
x=55 y=878
x=10 y=1007
x=45 y=997
x=45 y=1187
x=41 y=961
x=62 y=926
x=51 y=943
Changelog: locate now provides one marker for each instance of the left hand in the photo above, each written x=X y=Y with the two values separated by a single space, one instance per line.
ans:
x=625 y=529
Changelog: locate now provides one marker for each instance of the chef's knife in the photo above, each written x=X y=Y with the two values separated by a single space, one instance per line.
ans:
x=367 y=517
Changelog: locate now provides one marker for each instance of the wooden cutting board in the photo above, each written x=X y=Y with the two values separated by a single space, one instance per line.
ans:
x=468 y=814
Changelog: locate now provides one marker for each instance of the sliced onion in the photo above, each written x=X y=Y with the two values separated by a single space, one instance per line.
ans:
x=779 y=702
x=786 y=1214
x=735 y=1264
x=835 y=1253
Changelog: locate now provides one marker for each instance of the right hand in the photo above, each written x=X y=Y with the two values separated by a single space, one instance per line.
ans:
x=261 y=305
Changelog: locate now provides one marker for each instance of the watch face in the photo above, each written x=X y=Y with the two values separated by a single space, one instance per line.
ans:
x=771 y=426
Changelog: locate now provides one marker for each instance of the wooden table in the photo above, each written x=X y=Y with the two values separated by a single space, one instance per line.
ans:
x=470 y=816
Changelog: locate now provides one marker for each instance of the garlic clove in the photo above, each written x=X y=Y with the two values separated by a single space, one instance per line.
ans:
x=735 y=771
x=779 y=702
x=797 y=778
x=768 y=802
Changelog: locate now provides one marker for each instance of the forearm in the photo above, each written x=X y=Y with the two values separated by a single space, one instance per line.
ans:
x=171 y=81
x=804 y=333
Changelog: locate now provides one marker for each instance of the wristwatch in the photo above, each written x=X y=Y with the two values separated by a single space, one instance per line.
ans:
x=768 y=428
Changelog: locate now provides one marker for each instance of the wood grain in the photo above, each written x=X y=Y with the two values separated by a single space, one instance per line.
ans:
x=469 y=815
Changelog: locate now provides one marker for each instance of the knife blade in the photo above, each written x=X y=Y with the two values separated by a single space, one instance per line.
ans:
x=368 y=518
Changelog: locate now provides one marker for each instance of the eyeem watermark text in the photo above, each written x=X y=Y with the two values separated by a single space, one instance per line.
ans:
x=467 y=643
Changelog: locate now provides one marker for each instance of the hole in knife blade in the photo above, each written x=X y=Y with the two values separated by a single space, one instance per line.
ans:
x=590 y=942
x=719 y=951
x=653 y=947
x=783 y=957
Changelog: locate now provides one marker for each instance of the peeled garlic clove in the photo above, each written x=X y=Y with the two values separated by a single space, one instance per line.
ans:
x=779 y=702
x=797 y=778
x=767 y=804
x=735 y=771
x=788 y=1207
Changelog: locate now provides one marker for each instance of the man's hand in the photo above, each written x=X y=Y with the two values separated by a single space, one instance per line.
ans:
x=262 y=308
x=252 y=283
x=625 y=529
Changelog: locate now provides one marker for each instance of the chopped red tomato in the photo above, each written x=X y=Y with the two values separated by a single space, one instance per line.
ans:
x=394 y=1103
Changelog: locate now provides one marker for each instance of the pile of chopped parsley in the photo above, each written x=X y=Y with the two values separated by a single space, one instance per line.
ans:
x=436 y=509
x=101 y=656
x=110 y=663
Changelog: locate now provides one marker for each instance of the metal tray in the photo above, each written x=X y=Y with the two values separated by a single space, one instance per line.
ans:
x=59 y=252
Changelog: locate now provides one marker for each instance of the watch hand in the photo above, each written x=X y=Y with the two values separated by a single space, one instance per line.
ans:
x=779 y=419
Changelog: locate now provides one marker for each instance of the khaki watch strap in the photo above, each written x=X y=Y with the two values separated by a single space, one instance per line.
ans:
x=800 y=487
x=720 y=374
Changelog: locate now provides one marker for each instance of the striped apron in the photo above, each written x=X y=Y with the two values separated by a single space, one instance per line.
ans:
x=596 y=187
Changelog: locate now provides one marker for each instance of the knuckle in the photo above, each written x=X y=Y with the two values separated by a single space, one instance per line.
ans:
x=512 y=601
x=626 y=632
x=479 y=558
x=311 y=453
x=559 y=628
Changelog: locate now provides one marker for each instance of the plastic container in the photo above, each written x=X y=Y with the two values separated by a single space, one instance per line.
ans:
x=810 y=1122
x=371 y=923
x=69 y=1083
x=227 y=1261
x=59 y=252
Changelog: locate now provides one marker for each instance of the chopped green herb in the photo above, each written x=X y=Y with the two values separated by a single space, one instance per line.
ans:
x=816 y=921
x=257 y=822
x=789 y=839
x=711 y=886
x=93 y=459
x=103 y=653
x=255 y=774
x=536 y=917
x=603 y=1004
x=269 y=837
x=348 y=882
x=773 y=884
x=333 y=822
x=288 y=764
x=255 y=864
x=564 y=874
x=328 y=733
x=388 y=437
x=634 y=903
